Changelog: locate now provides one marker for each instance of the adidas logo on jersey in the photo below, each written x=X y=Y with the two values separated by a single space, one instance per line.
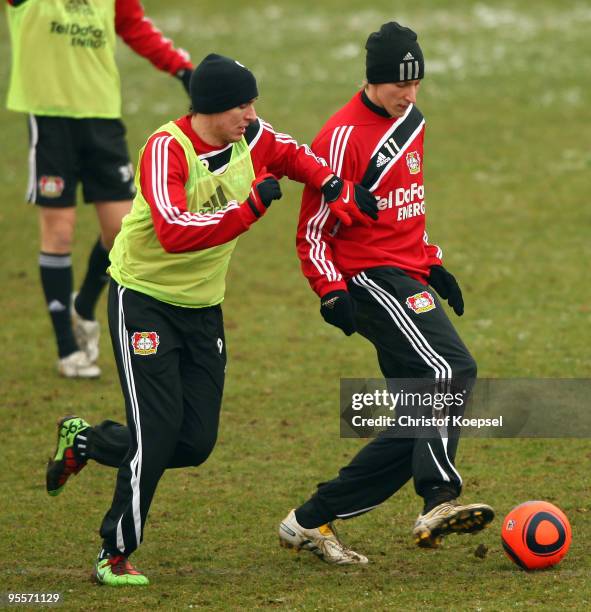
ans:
x=382 y=159
x=408 y=56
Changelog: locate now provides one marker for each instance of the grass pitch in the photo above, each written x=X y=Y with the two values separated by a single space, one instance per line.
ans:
x=508 y=108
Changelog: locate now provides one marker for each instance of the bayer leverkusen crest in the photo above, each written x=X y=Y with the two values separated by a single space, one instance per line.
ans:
x=145 y=343
x=51 y=186
x=413 y=161
x=421 y=302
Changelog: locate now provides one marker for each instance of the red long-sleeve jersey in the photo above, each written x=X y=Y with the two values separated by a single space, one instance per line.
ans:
x=385 y=155
x=146 y=40
x=143 y=37
x=164 y=172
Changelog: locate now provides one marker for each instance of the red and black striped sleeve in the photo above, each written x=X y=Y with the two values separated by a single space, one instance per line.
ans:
x=283 y=156
x=146 y=40
x=315 y=225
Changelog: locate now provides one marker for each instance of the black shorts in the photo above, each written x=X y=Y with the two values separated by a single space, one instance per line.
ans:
x=65 y=151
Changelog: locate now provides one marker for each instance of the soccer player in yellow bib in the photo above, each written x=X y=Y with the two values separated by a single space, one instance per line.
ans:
x=202 y=180
x=65 y=78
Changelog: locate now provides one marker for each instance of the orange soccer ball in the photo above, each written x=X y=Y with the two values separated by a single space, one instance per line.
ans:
x=536 y=534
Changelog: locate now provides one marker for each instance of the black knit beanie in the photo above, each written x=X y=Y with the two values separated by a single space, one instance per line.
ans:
x=220 y=83
x=393 y=55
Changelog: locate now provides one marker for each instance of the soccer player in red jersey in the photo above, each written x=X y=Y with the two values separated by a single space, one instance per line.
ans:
x=378 y=281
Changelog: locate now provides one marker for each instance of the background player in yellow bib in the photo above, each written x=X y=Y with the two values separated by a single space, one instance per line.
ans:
x=65 y=78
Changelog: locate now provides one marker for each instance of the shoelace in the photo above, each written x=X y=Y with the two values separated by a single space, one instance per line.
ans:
x=332 y=531
x=447 y=505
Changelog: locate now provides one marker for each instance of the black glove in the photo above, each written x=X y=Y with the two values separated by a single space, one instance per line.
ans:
x=264 y=189
x=337 y=308
x=447 y=286
x=349 y=202
x=184 y=76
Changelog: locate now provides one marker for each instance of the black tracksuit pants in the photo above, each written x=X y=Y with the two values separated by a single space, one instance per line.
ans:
x=414 y=340
x=171 y=363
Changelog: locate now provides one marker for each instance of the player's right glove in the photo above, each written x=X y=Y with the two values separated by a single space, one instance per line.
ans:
x=349 y=202
x=337 y=308
x=263 y=190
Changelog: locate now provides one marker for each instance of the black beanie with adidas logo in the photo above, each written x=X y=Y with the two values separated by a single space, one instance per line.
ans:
x=393 y=55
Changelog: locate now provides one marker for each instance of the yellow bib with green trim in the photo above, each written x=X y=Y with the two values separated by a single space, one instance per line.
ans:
x=194 y=279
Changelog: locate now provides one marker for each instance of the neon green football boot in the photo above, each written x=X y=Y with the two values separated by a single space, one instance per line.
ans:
x=117 y=570
x=65 y=463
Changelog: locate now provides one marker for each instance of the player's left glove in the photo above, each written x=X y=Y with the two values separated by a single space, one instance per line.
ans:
x=447 y=286
x=338 y=309
x=184 y=76
x=349 y=202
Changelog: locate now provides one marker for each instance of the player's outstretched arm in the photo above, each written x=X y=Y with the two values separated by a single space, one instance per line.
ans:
x=148 y=41
x=350 y=203
x=163 y=175
x=179 y=230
